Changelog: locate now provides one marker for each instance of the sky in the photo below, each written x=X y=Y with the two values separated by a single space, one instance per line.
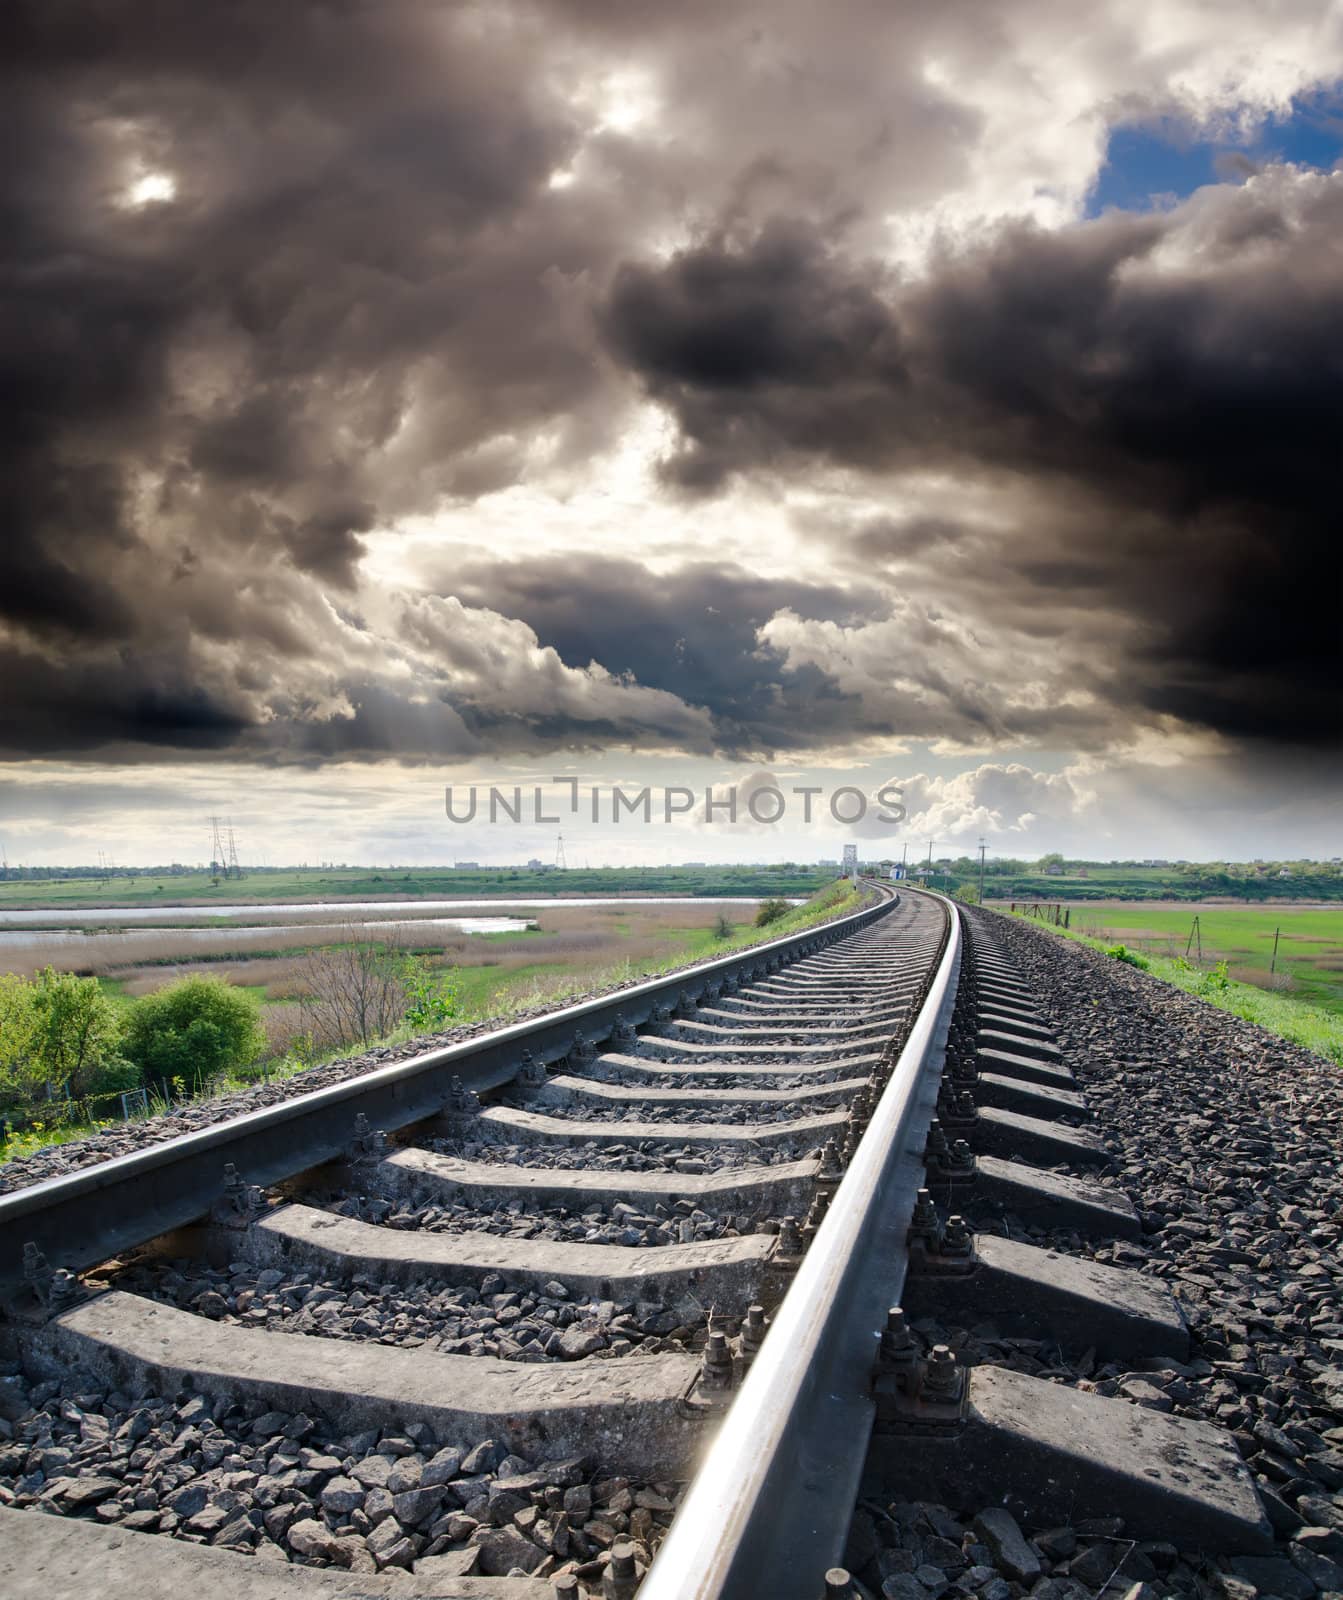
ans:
x=720 y=396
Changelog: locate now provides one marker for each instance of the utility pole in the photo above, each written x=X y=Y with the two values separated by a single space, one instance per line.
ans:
x=981 y=872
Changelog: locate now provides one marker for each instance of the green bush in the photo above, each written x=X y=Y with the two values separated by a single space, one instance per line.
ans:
x=1215 y=982
x=771 y=911
x=723 y=927
x=192 y=1032
x=58 y=1035
x=1122 y=952
x=117 y=1076
x=431 y=997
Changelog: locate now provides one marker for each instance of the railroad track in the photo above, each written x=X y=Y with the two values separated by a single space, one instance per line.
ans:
x=646 y=1294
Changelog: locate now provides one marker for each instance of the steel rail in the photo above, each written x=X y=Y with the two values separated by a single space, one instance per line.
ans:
x=95 y=1212
x=768 y=1511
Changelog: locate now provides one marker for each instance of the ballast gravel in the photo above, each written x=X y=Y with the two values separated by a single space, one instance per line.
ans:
x=631 y=1156
x=618 y=1224
x=510 y=1325
x=280 y=1487
x=1227 y=1139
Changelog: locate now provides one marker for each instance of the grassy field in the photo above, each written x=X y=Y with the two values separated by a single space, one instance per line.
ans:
x=1313 y=1027
x=1103 y=881
x=574 y=950
x=493 y=973
x=1309 y=963
x=364 y=883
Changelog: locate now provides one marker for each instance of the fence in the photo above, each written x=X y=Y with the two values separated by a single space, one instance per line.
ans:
x=62 y=1109
x=1057 y=916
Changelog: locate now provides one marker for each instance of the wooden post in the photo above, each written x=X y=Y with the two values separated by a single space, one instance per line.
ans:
x=1273 y=965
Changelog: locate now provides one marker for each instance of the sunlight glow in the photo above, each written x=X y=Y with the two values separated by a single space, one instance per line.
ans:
x=152 y=188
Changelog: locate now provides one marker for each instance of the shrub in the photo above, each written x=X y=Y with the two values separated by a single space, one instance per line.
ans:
x=117 y=1076
x=192 y=1032
x=431 y=998
x=358 y=991
x=771 y=911
x=723 y=927
x=1121 y=952
x=1215 y=982
x=56 y=1031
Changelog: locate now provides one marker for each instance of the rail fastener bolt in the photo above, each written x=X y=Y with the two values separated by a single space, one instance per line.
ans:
x=754 y=1327
x=789 y=1250
x=621 y=1579
x=531 y=1072
x=715 y=1370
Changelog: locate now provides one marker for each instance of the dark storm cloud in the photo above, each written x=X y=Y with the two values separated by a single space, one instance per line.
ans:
x=692 y=632
x=1172 y=381
x=204 y=387
x=366 y=300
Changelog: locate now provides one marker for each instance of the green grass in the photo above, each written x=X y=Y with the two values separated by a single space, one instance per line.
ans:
x=487 y=993
x=40 y=1137
x=490 y=993
x=1310 y=950
x=361 y=883
x=1313 y=1027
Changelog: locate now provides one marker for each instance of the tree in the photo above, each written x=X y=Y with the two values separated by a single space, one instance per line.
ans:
x=356 y=991
x=20 y=1074
x=59 y=1033
x=76 y=1030
x=193 y=1031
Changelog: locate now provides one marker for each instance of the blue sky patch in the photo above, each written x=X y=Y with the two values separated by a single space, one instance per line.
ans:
x=1151 y=166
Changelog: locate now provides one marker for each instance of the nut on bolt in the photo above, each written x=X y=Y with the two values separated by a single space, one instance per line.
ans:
x=790 y=1239
x=924 y=1220
x=754 y=1327
x=621 y=1578
x=943 y=1377
x=830 y=1169
x=957 y=1240
x=820 y=1204
x=715 y=1370
x=461 y=1101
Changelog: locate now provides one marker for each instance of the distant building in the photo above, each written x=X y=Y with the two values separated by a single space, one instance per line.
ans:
x=536 y=864
x=1053 y=870
x=467 y=866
